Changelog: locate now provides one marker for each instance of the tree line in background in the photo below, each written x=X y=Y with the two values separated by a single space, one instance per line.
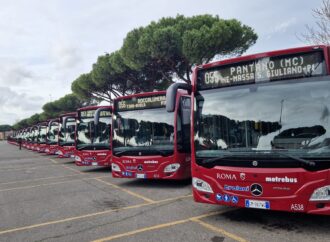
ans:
x=150 y=59
x=68 y=103
x=153 y=57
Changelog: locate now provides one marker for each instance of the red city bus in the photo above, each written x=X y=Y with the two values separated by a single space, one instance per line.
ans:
x=52 y=137
x=149 y=142
x=67 y=124
x=93 y=136
x=41 y=137
x=260 y=131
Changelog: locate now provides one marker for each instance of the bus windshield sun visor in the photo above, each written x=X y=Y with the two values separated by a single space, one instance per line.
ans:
x=143 y=152
x=231 y=156
x=171 y=94
x=94 y=147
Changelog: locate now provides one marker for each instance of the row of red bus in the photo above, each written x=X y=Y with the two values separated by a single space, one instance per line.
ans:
x=251 y=131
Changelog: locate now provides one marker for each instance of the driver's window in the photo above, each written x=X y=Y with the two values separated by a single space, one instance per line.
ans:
x=183 y=124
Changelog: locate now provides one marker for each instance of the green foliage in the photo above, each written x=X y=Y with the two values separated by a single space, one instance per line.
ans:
x=151 y=58
x=21 y=124
x=111 y=77
x=134 y=81
x=5 y=127
x=174 y=45
x=68 y=103
x=34 y=119
x=83 y=87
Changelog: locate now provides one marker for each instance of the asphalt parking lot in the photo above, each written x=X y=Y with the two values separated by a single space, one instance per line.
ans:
x=43 y=198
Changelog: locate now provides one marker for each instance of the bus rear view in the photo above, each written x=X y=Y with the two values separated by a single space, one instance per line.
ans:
x=262 y=131
x=147 y=141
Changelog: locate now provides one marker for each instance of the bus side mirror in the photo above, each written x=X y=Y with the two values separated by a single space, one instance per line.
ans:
x=97 y=117
x=97 y=114
x=171 y=94
x=64 y=124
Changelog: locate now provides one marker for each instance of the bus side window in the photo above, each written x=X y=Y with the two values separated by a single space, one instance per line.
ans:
x=184 y=118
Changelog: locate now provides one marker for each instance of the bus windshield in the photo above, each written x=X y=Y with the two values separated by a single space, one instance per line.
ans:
x=259 y=119
x=102 y=132
x=66 y=136
x=52 y=135
x=94 y=137
x=42 y=135
x=34 y=135
x=148 y=131
x=85 y=131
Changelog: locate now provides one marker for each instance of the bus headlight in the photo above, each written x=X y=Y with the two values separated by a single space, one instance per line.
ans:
x=172 y=167
x=321 y=194
x=115 y=167
x=77 y=158
x=201 y=185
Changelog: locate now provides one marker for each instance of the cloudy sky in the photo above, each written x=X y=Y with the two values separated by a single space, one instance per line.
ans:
x=45 y=45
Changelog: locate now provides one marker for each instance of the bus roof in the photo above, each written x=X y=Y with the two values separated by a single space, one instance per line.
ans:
x=72 y=114
x=93 y=108
x=143 y=94
x=268 y=54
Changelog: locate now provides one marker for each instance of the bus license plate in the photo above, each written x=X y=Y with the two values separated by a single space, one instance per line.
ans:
x=257 y=204
x=94 y=163
x=140 y=175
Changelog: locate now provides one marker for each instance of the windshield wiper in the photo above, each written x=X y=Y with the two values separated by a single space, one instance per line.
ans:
x=215 y=159
x=120 y=152
x=161 y=152
x=102 y=147
x=66 y=143
x=85 y=147
x=220 y=158
x=301 y=160
x=134 y=151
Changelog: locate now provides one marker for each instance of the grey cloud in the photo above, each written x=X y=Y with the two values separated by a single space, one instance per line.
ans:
x=65 y=55
x=8 y=117
x=12 y=98
x=50 y=43
x=13 y=74
x=17 y=105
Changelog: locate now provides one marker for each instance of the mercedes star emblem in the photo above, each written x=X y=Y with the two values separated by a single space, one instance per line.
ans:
x=140 y=168
x=256 y=189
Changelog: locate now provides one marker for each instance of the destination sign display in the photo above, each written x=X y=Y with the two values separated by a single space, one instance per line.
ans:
x=135 y=103
x=105 y=114
x=87 y=113
x=263 y=69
